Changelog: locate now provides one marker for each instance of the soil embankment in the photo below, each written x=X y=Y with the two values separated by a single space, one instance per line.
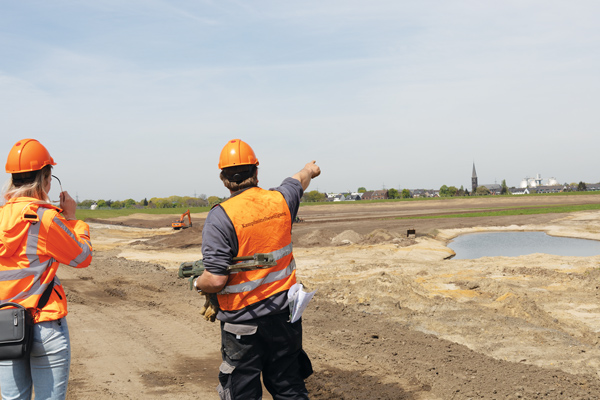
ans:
x=392 y=318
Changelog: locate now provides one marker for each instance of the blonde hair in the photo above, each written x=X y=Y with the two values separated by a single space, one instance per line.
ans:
x=35 y=189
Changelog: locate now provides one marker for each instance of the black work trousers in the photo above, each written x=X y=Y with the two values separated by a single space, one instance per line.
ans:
x=268 y=345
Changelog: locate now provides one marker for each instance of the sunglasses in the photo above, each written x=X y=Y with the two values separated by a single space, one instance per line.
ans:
x=59 y=184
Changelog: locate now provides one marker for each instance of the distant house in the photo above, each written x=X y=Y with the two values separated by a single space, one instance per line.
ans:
x=550 y=189
x=494 y=188
x=343 y=196
x=335 y=197
x=592 y=187
x=519 y=190
x=424 y=193
x=353 y=196
x=418 y=193
x=375 y=195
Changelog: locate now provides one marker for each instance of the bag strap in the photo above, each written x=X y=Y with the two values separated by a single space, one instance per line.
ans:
x=11 y=304
x=45 y=296
x=41 y=304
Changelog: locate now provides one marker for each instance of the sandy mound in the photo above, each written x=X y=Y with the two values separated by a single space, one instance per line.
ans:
x=380 y=236
x=321 y=237
x=318 y=237
x=347 y=237
x=181 y=239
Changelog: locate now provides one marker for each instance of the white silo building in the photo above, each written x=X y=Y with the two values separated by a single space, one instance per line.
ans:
x=531 y=182
x=537 y=181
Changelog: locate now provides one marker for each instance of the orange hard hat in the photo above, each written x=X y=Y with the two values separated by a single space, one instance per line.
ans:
x=237 y=152
x=27 y=155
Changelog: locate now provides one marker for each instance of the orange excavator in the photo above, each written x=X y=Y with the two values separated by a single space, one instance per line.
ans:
x=180 y=223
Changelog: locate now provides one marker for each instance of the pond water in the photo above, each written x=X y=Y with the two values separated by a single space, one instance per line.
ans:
x=514 y=244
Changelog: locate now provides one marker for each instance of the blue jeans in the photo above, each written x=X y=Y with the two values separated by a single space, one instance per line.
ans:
x=47 y=368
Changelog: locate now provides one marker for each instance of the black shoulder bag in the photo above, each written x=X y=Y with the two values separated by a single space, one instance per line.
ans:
x=16 y=331
x=16 y=327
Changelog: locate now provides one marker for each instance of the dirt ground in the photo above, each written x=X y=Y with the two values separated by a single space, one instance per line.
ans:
x=393 y=317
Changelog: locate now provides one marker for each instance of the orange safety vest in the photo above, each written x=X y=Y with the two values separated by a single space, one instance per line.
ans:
x=263 y=224
x=34 y=240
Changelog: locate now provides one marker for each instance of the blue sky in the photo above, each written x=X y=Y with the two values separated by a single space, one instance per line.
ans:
x=136 y=98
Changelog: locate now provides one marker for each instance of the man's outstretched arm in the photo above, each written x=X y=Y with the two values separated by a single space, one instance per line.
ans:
x=306 y=174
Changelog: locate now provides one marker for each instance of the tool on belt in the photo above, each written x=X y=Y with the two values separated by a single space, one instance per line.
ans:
x=193 y=269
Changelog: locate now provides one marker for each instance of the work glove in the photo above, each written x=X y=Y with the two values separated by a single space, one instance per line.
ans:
x=208 y=310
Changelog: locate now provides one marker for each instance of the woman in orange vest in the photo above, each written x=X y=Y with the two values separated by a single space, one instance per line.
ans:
x=257 y=337
x=35 y=237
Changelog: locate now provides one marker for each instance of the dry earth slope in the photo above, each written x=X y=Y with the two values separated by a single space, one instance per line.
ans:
x=392 y=318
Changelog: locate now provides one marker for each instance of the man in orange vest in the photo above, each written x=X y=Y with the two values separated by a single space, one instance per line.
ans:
x=256 y=334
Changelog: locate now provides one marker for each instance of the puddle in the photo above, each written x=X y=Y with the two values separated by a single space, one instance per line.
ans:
x=514 y=244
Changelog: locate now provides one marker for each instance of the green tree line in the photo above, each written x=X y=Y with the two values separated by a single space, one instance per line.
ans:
x=154 y=202
x=312 y=196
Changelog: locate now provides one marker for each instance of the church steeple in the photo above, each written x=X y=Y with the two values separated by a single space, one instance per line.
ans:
x=474 y=180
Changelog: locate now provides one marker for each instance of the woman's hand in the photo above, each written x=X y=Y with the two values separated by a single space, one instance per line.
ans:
x=68 y=205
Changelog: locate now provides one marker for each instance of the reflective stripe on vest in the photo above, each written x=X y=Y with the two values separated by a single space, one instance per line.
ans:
x=271 y=277
x=34 y=270
x=85 y=249
x=262 y=223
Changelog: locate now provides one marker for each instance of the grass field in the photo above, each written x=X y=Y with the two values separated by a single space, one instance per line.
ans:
x=528 y=210
x=84 y=214
x=454 y=198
